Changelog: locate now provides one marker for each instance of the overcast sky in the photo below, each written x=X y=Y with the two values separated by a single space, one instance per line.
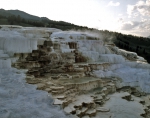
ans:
x=126 y=16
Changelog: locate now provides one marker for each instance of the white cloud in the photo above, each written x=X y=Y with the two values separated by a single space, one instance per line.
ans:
x=120 y=20
x=148 y=2
x=137 y=27
x=130 y=9
x=130 y=25
x=141 y=7
x=120 y=15
x=135 y=14
x=111 y=3
x=140 y=12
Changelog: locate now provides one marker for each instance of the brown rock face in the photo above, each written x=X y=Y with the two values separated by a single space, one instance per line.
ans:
x=72 y=45
x=69 y=79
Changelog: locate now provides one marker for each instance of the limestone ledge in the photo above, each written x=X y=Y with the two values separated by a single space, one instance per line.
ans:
x=83 y=75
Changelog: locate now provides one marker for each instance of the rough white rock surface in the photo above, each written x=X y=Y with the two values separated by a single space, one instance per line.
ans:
x=17 y=96
x=21 y=100
x=121 y=108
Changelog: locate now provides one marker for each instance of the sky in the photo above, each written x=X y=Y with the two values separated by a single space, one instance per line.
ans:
x=125 y=16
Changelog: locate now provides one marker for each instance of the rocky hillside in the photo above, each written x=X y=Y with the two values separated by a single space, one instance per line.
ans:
x=86 y=75
x=140 y=45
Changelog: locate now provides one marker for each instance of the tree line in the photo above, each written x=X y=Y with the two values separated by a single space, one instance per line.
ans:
x=140 y=45
x=18 y=20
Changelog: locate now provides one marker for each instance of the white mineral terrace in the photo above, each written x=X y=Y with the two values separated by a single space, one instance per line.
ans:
x=19 y=99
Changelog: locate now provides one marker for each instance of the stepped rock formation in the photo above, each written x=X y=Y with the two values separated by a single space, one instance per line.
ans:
x=85 y=76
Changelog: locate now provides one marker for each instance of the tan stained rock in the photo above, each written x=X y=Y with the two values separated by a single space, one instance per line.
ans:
x=103 y=109
x=91 y=112
x=57 y=102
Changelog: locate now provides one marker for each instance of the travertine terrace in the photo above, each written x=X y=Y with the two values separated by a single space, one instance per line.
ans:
x=85 y=76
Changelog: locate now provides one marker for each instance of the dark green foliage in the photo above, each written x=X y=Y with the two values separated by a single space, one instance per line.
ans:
x=17 y=20
x=140 y=45
x=16 y=17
